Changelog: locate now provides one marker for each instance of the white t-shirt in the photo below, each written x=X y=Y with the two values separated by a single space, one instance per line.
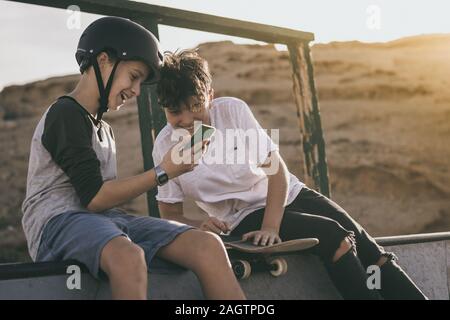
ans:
x=225 y=185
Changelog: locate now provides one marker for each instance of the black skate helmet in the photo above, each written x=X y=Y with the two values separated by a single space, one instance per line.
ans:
x=128 y=40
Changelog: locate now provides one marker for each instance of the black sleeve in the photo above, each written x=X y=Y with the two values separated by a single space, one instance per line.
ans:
x=67 y=137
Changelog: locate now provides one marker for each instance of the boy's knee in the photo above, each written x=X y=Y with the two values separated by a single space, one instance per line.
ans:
x=208 y=246
x=123 y=256
x=212 y=242
x=335 y=241
x=344 y=247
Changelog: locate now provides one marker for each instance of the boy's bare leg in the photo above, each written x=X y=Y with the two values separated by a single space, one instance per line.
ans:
x=204 y=253
x=124 y=263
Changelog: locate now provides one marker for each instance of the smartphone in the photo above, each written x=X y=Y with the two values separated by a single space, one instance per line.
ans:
x=203 y=133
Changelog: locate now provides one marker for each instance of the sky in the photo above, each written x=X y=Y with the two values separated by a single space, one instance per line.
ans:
x=39 y=42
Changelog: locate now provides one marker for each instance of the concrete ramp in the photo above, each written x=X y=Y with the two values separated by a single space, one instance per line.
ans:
x=425 y=257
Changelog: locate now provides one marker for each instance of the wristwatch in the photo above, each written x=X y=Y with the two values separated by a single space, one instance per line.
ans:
x=161 y=176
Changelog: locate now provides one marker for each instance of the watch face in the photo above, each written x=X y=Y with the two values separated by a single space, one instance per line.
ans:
x=163 y=179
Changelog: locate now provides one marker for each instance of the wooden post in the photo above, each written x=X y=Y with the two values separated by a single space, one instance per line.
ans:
x=308 y=113
x=151 y=120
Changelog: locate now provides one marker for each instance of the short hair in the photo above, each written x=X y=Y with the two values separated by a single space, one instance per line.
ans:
x=183 y=74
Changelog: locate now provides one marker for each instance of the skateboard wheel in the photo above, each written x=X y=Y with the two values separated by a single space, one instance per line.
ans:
x=242 y=269
x=280 y=267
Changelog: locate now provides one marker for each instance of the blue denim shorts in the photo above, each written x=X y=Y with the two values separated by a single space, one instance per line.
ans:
x=82 y=236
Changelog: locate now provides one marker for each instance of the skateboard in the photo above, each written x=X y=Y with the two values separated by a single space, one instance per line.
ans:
x=247 y=258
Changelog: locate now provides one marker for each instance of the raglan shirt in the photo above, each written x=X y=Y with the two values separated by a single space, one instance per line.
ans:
x=71 y=156
x=227 y=190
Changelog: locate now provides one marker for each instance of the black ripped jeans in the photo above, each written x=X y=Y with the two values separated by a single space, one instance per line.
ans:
x=312 y=215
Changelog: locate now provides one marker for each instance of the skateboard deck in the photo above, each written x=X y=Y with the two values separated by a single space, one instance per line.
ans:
x=247 y=258
x=283 y=247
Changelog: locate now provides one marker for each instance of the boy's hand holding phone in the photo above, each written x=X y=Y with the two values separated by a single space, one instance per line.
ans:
x=193 y=149
x=174 y=168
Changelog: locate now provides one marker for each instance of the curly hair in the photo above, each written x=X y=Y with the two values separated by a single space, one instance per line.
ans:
x=183 y=74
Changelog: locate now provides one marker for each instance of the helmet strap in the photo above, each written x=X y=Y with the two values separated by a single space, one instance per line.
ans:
x=104 y=92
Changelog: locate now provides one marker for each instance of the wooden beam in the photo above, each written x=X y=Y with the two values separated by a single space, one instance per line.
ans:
x=308 y=113
x=182 y=19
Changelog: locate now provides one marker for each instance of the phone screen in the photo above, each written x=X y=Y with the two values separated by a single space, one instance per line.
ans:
x=203 y=133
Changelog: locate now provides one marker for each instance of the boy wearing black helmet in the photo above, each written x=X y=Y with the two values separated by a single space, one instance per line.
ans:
x=72 y=186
